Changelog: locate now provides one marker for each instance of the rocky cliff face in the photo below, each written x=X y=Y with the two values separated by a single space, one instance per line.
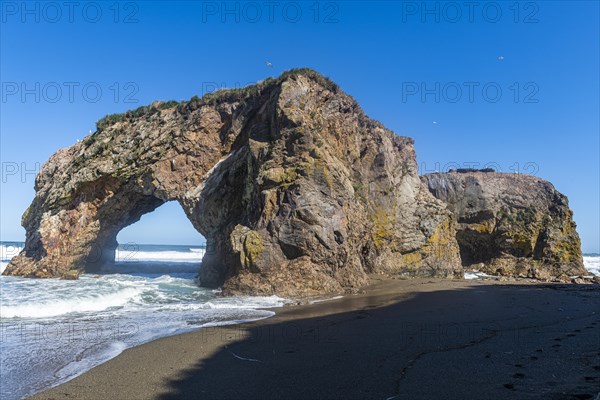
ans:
x=509 y=224
x=296 y=191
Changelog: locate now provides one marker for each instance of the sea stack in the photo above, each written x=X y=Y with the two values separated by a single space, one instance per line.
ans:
x=295 y=189
x=510 y=224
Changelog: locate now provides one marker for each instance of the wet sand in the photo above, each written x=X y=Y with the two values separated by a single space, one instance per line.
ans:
x=401 y=339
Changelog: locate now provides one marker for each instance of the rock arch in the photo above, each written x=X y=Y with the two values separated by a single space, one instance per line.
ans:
x=295 y=189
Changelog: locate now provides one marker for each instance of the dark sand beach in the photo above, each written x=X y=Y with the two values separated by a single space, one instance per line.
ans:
x=400 y=339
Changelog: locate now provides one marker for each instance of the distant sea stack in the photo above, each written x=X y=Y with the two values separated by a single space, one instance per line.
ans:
x=510 y=224
x=295 y=189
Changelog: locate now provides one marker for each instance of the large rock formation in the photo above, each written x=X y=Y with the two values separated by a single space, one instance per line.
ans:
x=510 y=224
x=296 y=191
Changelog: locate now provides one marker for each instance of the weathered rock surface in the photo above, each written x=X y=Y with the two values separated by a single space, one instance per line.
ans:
x=296 y=191
x=510 y=224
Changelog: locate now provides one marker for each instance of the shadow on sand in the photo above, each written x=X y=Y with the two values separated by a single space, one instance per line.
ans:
x=479 y=342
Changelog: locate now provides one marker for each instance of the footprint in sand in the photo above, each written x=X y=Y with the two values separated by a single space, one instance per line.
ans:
x=509 y=386
x=519 y=375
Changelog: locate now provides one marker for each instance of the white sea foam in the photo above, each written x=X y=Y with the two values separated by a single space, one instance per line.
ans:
x=152 y=268
x=132 y=255
x=62 y=339
x=246 y=302
x=592 y=264
x=476 y=275
x=75 y=368
x=152 y=293
x=80 y=303
x=126 y=254
x=328 y=299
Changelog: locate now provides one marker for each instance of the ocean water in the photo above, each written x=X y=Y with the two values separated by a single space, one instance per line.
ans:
x=53 y=330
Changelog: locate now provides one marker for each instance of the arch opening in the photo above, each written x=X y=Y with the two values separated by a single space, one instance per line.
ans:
x=161 y=241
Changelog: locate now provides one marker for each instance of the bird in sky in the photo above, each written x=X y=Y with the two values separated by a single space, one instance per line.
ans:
x=269 y=64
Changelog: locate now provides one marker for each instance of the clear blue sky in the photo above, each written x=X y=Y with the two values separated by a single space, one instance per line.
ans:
x=393 y=57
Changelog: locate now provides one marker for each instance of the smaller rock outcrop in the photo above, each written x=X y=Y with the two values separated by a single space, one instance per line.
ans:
x=510 y=224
